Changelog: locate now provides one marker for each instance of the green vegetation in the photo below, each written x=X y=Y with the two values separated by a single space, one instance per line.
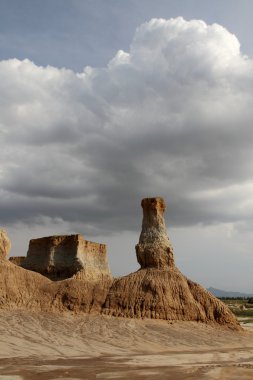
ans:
x=241 y=308
x=237 y=301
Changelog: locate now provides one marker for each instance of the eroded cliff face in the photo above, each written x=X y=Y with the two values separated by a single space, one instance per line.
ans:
x=5 y=245
x=159 y=290
x=61 y=257
x=25 y=289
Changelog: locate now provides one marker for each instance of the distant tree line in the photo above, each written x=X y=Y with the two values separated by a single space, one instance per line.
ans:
x=233 y=298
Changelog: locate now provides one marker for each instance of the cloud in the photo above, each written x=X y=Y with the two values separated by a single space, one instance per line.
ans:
x=171 y=117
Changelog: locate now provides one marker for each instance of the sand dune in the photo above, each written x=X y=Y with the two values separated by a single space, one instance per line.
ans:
x=99 y=347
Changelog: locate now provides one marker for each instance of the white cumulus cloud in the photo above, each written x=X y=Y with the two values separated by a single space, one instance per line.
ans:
x=170 y=117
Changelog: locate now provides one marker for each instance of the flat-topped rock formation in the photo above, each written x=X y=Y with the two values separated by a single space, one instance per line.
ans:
x=24 y=289
x=158 y=289
x=60 y=257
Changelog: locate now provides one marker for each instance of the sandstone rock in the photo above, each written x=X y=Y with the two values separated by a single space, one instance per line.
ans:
x=154 y=249
x=5 y=245
x=84 y=292
x=159 y=290
x=60 y=257
x=21 y=289
x=17 y=260
x=24 y=289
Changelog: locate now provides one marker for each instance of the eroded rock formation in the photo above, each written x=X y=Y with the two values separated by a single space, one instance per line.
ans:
x=17 y=260
x=24 y=289
x=60 y=257
x=5 y=244
x=154 y=249
x=159 y=290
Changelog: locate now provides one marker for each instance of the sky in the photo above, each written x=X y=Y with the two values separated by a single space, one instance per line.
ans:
x=105 y=102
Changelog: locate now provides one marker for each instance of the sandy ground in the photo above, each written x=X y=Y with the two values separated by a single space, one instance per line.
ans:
x=47 y=347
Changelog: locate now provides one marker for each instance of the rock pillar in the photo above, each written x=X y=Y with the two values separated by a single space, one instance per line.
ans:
x=154 y=249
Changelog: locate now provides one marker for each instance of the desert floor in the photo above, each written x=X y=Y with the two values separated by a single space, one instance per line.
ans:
x=47 y=346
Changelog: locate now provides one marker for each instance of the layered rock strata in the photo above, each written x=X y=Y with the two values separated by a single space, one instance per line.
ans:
x=60 y=257
x=5 y=245
x=25 y=289
x=158 y=289
x=154 y=249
